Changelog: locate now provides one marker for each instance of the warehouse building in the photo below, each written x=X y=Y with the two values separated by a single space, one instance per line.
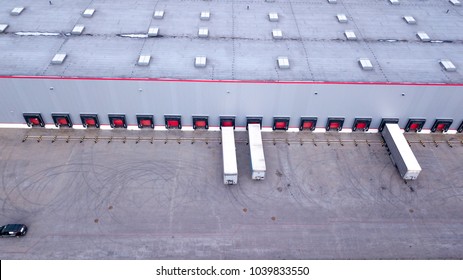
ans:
x=307 y=65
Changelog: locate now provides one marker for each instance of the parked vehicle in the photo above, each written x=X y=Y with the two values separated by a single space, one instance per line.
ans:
x=13 y=230
x=400 y=152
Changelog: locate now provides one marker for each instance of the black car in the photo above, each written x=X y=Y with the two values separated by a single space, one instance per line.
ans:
x=13 y=230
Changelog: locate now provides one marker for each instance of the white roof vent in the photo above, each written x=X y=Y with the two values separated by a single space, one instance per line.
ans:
x=205 y=15
x=341 y=18
x=277 y=34
x=17 y=11
x=88 y=13
x=153 y=31
x=365 y=63
x=78 y=29
x=332 y=1
x=455 y=2
x=158 y=14
x=350 y=35
x=410 y=19
x=3 y=27
x=283 y=62
x=144 y=60
x=394 y=2
x=273 y=16
x=423 y=36
x=58 y=58
x=203 y=32
x=200 y=61
x=448 y=65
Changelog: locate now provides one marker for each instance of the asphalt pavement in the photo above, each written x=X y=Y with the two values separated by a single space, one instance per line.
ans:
x=160 y=195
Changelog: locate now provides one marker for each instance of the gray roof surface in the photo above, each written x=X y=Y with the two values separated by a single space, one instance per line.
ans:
x=240 y=44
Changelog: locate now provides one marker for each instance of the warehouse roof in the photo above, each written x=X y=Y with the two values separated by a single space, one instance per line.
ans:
x=239 y=44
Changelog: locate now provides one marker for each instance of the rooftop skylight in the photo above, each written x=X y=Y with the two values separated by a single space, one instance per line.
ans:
x=17 y=11
x=341 y=18
x=205 y=15
x=158 y=14
x=277 y=34
x=350 y=35
x=203 y=32
x=153 y=31
x=88 y=13
x=58 y=58
x=273 y=16
x=448 y=65
x=3 y=27
x=78 y=29
x=200 y=61
x=365 y=63
x=423 y=36
x=283 y=62
x=409 y=19
x=144 y=60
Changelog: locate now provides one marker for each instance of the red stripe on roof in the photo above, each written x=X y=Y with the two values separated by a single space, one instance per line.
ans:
x=229 y=81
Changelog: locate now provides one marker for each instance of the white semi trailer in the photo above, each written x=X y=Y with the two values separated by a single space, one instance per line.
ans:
x=400 y=152
x=230 y=168
x=257 y=152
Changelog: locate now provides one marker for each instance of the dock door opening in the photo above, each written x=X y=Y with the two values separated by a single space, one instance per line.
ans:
x=145 y=121
x=62 y=120
x=90 y=120
x=384 y=121
x=441 y=125
x=173 y=121
x=34 y=119
x=361 y=124
x=415 y=125
x=280 y=123
x=200 y=122
x=227 y=121
x=117 y=121
x=253 y=120
x=334 y=124
x=308 y=123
